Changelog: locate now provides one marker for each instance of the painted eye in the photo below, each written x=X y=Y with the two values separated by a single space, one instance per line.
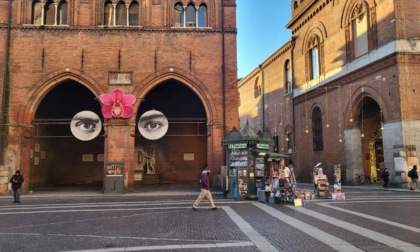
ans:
x=153 y=125
x=86 y=125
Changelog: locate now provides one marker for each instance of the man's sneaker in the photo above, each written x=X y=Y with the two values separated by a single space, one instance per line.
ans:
x=194 y=209
x=412 y=189
x=214 y=208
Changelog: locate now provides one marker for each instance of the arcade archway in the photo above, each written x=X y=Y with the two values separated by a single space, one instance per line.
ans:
x=181 y=154
x=369 y=120
x=57 y=158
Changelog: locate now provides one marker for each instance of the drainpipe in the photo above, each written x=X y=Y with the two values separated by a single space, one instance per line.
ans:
x=6 y=90
x=223 y=74
x=223 y=68
x=262 y=98
x=292 y=63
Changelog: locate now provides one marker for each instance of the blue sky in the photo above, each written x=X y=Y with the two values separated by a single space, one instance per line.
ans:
x=261 y=31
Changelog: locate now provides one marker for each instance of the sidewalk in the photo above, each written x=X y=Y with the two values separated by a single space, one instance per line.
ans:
x=167 y=190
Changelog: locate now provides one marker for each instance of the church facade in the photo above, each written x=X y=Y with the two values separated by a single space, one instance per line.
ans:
x=134 y=90
x=343 y=89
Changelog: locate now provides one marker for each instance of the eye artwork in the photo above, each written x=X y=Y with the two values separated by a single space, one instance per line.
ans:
x=85 y=125
x=153 y=124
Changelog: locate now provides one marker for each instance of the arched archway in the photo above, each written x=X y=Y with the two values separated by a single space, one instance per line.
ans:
x=369 y=121
x=180 y=155
x=364 y=147
x=57 y=157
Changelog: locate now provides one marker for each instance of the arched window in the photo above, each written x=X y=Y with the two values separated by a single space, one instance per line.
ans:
x=178 y=18
x=202 y=16
x=49 y=13
x=37 y=13
x=133 y=15
x=62 y=13
x=121 y=14
x=359 y=26
x=288 y=77
x=314 y=57
x=108 y=13
x=191 y=16
x=318 y=143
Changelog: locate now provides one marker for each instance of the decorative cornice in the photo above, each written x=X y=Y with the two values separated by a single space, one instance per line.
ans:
x=310 y=15
x=113 y=29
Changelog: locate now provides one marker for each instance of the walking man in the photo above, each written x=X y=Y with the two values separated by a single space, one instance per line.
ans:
x=16 y=180
x=205 y=190
x=385 y=175
x=414 y=178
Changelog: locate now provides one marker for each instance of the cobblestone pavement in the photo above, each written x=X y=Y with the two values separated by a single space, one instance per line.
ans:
x=161 y=219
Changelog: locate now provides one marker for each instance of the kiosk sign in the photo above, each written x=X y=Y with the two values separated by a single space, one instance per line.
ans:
x=237 y=146
x=263 y=146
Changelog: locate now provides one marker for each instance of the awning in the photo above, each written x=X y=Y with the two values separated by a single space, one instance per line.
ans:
x=276 y=155
x=270 y=154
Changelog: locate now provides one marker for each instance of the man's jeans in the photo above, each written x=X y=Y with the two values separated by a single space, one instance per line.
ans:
x=16 y=195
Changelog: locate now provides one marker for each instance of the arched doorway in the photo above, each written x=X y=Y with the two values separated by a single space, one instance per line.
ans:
x=181 y=154
x=57 y=158
x=369 y=120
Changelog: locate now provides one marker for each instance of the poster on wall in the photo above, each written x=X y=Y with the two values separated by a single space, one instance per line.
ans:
x=85 y=125
x=114 y=168
x=153 y=124
x=259 y=167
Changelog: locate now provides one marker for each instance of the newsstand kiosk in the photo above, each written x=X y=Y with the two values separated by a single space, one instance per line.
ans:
x=248 y=158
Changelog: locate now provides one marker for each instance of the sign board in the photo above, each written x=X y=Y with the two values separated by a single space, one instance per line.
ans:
x=400 y=164
x=263 y=146
x=237 y=146
x=114 y=168
x=120 y=78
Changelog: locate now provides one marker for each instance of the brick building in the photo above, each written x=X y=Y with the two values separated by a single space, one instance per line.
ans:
x=342 y=90
x=58 y=56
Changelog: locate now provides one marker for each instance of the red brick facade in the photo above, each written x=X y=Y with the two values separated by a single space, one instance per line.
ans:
x=359 y=108
x=158 y=56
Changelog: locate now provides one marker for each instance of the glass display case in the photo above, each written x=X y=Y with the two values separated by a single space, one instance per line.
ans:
x=238 y=171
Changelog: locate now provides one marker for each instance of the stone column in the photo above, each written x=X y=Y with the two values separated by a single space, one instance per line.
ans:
x=4 y=180
x=353 y=153
x=119 y=147
x=400 y=140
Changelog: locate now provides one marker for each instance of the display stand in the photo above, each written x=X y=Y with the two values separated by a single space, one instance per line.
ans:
x=287 y=189
x=337 y=193
x=321 y=183
x=238 y=169
x=322 y=187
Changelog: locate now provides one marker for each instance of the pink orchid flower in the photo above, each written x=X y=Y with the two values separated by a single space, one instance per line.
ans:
x=117 y=104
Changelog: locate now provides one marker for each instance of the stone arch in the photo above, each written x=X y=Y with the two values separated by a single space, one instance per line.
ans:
x=354 y=104
x=41 y=88
x=192 y=82
x=317 y=29
x=348 y=9
x=314 y=105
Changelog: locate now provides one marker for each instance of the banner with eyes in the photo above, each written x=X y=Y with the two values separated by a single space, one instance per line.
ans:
x=85 y=125
x=153 y=124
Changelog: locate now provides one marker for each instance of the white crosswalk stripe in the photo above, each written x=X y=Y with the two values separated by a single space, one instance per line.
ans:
x=334 y=242
x=370 y=217
x=380 y=238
